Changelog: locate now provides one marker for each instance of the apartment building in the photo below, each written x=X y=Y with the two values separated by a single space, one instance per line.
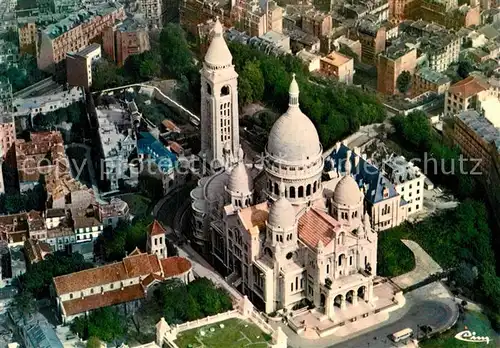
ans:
x=5 y=94
x=79 y=66
x=152 y=10
x=452 y=17
x=124 y=284
x=345 y=43
x=114 y=211
x=46 y=102
x=339 y=66
x=479 y=138
x=408 y=180
x=317 y=23
x=372 y=38
x=125 y=39
x=310 y=60
x=117 y=143
x=7 y=137
x=465 y=95
x=75 y=32
x=9 y=53
x=27 y=38
x=194 y=12
x=377 y=10
x=256 y=18
x=426 y=80
x=391 y=64
x=399 y=10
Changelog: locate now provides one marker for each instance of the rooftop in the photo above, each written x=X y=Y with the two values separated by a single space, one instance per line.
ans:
x=88 y=50
x=40 y=333
x=84 y=15
x=336 y=58
x=481 y=126
x=433 y=76
x=316 y=226
x=156 y=151
x=468 y=87
x=399 y=170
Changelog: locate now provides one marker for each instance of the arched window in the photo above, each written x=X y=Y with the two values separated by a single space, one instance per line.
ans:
x=276 y=189
x=308 y=190
x=315 y=186
x=225 y=91
x=209 y=89
x=270 y=185
x=301 y=191
x=292 y=191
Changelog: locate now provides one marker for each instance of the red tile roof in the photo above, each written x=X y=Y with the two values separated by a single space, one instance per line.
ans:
x=468 y=87
x=156 y=229
x=109 y=298
x=316 y=225
x=151 y=278
x=175 y=265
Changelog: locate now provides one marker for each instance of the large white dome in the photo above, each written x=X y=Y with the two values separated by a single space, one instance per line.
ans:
x=293 y=137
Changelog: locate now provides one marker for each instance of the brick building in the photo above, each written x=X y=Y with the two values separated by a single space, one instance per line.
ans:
x=391 y=64
x=125 y=39
x=79 y=66
x=317 y=23
x=373 y=38
x=74 y=33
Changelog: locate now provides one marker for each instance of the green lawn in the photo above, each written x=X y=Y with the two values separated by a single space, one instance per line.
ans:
x=235 y=333
x=138 y=204
x=472 y=321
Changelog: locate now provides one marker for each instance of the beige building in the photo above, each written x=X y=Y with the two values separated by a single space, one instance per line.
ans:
x=391 y=64
x=282 y=234
x=465 y=95
x=426 y=80
x=28 y=38
x=340 y=66
x=74 y=33
x=79 y=66
x=408 y=180
x=256 y=19
x=310 y=60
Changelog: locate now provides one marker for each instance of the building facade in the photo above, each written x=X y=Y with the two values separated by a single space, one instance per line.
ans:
x=124 y=284
x=152 y=10
x=74 y=33
x=464 y=95
x=281 y=233
x=408 y=180
x=391 y=64
x=340 y=66
x=426 y=80
x=79 y=66
x=125 y=39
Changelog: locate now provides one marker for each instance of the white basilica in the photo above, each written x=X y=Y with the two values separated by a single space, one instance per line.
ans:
x=280 y=234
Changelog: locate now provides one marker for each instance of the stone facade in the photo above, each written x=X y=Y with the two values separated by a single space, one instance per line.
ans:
x=281 y=233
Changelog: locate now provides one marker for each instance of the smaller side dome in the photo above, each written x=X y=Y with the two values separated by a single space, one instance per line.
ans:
x=281 y=214
x=240 y=179
x=347 y=192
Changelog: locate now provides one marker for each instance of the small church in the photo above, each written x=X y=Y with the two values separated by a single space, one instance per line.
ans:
x=123 y=284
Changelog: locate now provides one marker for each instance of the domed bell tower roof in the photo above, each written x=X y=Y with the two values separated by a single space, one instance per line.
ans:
x=281 y=213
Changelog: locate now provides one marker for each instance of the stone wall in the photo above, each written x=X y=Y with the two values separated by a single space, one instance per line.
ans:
x=166 y=334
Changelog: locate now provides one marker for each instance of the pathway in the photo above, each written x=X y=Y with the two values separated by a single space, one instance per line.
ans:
x=424 y=266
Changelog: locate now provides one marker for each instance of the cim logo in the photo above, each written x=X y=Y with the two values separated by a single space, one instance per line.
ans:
x=468 y=336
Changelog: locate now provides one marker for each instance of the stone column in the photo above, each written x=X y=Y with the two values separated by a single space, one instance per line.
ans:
x=369 y=294
x=329 y=306
x=355 y=299
x=342 y=302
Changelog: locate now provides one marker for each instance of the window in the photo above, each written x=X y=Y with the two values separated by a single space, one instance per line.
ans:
x=111 y=286
x=350 y=260
x=417 y=206
x=296 y=283
x=291 y=286
x=70 y=296
x=327 y=269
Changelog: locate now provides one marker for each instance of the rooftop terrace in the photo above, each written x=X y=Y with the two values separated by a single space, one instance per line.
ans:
x=481 y=126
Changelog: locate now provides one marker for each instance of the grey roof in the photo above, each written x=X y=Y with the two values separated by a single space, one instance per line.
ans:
x=40 y=334
x=481 y=126
x=433 y=76
x=365 y=174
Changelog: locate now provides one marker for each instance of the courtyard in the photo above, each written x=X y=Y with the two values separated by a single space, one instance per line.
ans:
x=232 y=333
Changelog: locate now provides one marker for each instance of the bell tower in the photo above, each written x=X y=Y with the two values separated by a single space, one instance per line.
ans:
x=219 y=102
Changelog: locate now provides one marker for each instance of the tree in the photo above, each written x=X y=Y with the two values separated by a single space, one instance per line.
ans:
x=106 y=74
x=251 y=84
x=38 y=277
x=403 y=82
x=93 y=342
x=105 y=324
x=176 y=56
x=25 y=303
x=464 y=68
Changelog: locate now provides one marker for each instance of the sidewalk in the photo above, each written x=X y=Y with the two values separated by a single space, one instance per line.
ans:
x=424 y=267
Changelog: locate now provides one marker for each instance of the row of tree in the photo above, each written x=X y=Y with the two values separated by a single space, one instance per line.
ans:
x=116 y=243
x=335 y=109
x=459 y=238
